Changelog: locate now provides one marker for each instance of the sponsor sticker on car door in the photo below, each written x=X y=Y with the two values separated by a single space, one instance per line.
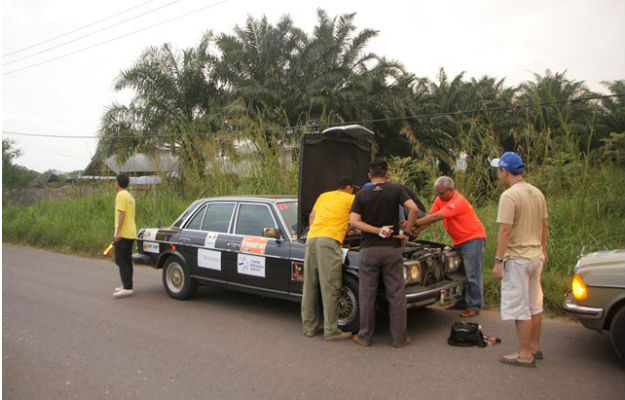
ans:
x=251 y=265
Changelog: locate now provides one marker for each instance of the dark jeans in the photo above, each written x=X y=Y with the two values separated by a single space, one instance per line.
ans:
x=472 y=252
x=123 y=259
x=387 y=262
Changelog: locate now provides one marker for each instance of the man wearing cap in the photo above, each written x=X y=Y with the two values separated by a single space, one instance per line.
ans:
x=374 y=212
x=468 y=235
x=329 y=221
x=519 y=258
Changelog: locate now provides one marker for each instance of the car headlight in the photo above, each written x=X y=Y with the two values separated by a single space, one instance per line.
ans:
x=453 y=263
x=414 y=273
x=579 y=288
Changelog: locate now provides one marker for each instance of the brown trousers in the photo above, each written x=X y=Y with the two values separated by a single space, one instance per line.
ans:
x=387 y=262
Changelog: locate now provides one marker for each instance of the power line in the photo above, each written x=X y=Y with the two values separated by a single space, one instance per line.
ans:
x=92 y=33
x=283 y=129
x=77 y=29
x=115 y=38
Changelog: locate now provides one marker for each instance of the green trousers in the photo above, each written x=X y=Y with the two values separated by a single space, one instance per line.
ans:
x=322 y=266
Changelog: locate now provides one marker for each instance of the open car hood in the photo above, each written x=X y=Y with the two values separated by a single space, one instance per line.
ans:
x=324 y=158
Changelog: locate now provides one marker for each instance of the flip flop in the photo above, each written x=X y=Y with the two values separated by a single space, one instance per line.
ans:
x=514 y=359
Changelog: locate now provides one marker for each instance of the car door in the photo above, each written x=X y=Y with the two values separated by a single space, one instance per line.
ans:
x=256 y=261
x=203 y=239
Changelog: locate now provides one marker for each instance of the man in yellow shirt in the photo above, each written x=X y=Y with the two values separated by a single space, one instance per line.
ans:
x=323 y=260
x=125 y=234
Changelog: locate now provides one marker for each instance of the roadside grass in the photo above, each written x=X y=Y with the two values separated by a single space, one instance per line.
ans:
x=585 y=211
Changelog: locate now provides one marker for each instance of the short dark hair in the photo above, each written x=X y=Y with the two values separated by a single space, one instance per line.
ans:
x=123 y=180
x=378 y=168
x=344 y=181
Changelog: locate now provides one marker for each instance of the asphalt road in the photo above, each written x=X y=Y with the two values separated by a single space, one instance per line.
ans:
x=65 y=337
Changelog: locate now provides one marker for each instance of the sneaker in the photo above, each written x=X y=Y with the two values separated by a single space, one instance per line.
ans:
x=123 y=293
x=117 y=289
x=403 y=343
x=338 y=336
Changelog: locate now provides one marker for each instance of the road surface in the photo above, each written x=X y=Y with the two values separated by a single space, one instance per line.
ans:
x=65 y=337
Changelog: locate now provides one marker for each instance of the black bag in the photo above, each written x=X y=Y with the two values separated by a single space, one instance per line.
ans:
x=466 y=334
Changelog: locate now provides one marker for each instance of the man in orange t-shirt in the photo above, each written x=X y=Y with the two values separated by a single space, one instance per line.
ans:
x=468 y=235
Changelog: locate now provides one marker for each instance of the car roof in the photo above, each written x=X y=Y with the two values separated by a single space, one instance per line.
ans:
x=269 y=198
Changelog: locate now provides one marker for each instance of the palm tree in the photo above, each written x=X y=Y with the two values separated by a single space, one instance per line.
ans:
x=175 y=95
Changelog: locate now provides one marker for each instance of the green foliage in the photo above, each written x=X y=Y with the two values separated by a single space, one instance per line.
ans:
x=14 y=176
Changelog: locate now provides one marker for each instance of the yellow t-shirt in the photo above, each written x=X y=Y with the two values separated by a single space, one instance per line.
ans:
x=523 y=206
x=331 y=215
x=125 y=202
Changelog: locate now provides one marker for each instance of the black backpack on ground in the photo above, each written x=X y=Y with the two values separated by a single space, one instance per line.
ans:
x=466 y=334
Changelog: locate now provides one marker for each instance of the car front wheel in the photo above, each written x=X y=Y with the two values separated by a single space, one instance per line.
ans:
x=177 y=281
x=349 y=308
x=617 y=331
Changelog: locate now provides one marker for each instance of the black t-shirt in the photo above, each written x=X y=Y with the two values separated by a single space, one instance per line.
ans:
x=377 y=205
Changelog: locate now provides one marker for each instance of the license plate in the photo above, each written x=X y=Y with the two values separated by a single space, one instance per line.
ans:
x=151 y=247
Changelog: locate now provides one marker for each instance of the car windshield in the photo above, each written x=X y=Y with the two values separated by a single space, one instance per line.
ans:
x=288 y=210
x=185 y=214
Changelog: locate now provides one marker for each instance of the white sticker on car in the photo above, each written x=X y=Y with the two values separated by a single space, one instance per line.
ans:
x=210 y=259
x=150 y=234
x=251 y=265
x=151 y=247
x=211 y=238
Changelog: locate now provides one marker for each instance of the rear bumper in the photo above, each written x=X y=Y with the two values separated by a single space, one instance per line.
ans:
x=142 y=259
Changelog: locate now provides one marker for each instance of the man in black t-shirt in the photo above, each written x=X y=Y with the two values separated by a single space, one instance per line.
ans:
x=374 y=212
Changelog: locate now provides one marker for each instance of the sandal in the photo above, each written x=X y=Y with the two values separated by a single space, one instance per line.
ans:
x=469 y=312
x=514 y=359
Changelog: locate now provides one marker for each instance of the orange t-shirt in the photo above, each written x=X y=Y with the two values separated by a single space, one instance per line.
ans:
x=460 y=220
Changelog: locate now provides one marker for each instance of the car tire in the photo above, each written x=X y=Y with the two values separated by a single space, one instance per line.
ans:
x=349 y=306
x=617 y=332
x=177 y=280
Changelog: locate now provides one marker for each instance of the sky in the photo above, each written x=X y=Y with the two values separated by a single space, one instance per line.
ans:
x=60 y=58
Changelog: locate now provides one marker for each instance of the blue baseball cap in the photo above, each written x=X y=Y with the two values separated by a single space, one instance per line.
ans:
x=509 y=161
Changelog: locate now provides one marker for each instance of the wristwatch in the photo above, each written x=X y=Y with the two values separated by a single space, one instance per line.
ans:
x=498 y=259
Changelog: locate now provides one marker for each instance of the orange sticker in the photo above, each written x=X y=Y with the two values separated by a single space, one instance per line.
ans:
x=253 y=245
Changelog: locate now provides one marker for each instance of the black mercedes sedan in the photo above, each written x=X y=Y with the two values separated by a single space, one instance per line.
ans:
x=256 y=244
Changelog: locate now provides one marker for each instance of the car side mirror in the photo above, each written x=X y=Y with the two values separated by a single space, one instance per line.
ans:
x=271 y=233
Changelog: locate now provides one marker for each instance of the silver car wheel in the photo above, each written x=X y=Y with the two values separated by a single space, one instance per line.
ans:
x=175 y=277
x=348 y=306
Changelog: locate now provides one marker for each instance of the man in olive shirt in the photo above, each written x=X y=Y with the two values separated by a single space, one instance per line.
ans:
x=125 y=234
x=519 y=258
x=323 y=260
